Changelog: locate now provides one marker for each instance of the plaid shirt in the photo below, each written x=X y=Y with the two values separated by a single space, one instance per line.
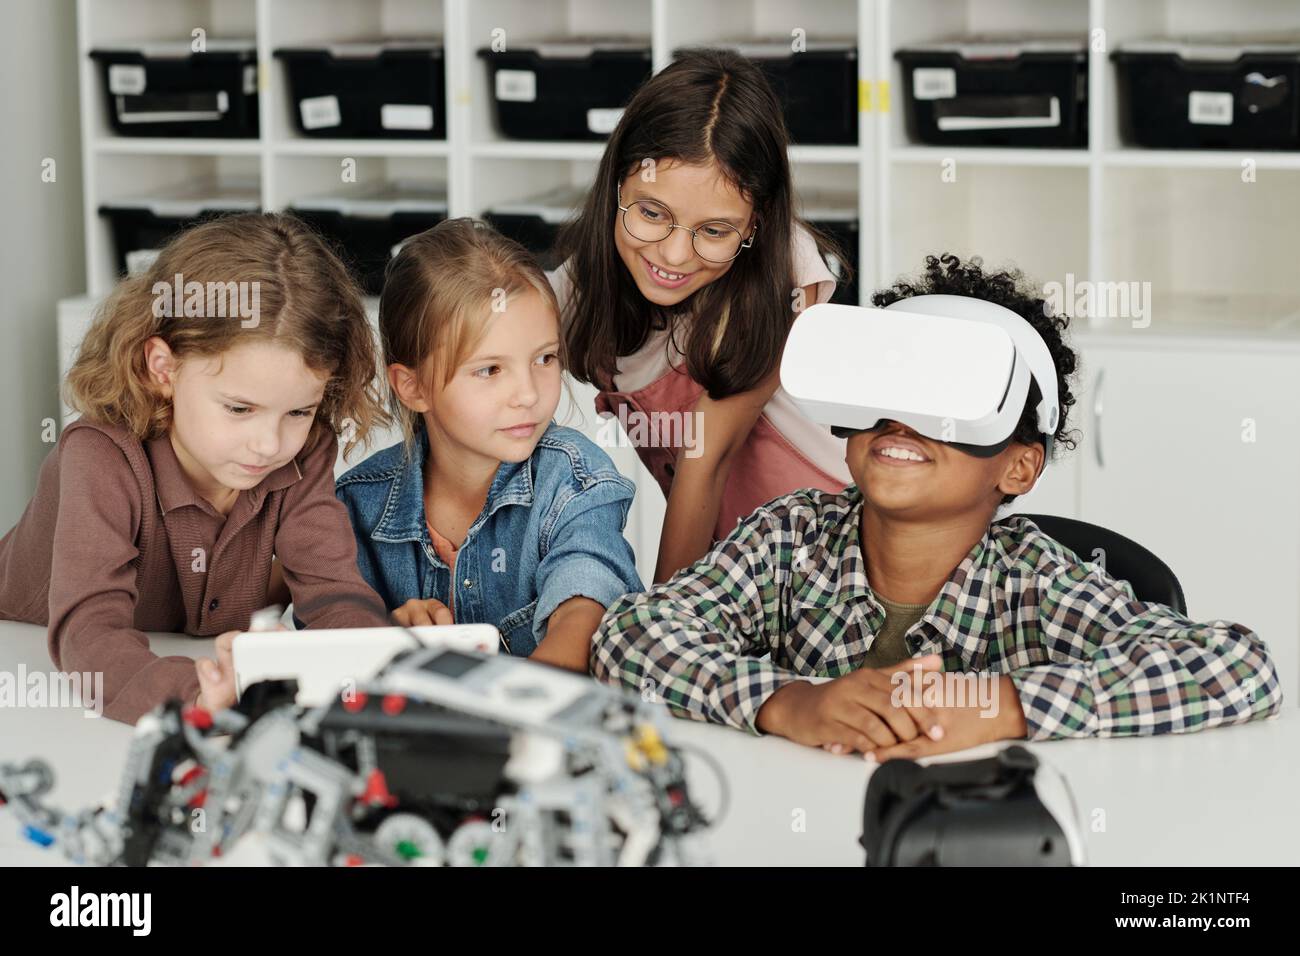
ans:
x=786 y=596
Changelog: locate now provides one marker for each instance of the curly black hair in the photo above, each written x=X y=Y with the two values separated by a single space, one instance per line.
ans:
x=948 y=275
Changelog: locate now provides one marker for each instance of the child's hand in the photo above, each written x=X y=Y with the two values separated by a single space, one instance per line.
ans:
x=854 y=712
x=419 y=613
x=966 y=722
x=217 y=678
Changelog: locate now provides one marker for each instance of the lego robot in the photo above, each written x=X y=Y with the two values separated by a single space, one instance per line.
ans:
x=444 y=758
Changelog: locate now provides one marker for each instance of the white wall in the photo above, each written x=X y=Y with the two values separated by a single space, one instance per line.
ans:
x=42 y=250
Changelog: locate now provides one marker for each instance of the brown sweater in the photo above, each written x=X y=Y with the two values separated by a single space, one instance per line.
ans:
x=117 y=542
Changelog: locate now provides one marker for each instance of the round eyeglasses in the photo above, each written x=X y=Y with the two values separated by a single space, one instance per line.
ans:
x=651 y=221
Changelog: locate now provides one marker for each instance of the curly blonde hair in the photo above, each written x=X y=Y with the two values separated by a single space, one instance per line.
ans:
x=306 y=299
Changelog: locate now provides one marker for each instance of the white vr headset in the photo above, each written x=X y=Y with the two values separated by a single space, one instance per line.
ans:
x=952 y=368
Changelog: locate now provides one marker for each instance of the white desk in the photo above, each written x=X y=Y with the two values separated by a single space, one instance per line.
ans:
x=1217 y=798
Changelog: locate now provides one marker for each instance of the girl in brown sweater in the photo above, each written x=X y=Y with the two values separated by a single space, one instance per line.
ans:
x=212 y=391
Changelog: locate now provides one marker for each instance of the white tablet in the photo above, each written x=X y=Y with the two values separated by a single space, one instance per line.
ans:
x=327 y=660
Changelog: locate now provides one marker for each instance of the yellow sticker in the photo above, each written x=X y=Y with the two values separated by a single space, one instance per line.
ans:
x=867 y=102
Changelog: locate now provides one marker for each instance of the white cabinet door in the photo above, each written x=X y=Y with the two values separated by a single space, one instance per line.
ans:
x=1195 y=453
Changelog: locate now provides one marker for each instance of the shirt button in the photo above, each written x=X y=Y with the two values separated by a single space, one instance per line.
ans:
x=468 y=583
x=214 y=604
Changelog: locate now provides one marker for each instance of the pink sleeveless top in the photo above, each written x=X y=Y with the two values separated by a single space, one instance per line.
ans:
x=784 y=451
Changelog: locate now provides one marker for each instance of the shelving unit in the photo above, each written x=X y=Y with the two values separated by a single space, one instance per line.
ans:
x=1183 y=221
x=474 y=164
x=1107 y=212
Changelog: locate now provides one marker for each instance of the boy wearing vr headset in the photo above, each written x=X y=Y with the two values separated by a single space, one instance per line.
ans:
x=952 y=392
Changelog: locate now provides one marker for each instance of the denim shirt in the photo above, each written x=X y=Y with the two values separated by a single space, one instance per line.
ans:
x=551 y=529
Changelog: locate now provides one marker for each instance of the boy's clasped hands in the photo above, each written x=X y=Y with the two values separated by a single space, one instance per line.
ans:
x=897 y=711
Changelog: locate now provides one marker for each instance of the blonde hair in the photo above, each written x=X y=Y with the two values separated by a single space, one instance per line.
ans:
x=441 y=291
x=306 y=301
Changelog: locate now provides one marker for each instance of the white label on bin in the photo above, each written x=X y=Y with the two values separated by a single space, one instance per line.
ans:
x=934 y=83
x=250 y=79
x=126 y=79
x=406 y=116
x=318 y=112
x=1212 y=109
x=517 y=86
x=603 y=120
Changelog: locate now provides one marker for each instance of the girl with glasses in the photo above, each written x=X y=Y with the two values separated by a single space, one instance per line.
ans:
x=681 y=278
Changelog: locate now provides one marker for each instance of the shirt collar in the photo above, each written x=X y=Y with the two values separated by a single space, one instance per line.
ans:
x=831 y=569
x=174 y=490
x=404 y=519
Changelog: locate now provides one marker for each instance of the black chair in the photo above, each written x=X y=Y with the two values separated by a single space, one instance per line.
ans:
x=1151 y=579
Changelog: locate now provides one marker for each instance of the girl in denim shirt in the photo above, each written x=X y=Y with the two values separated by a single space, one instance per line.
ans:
x=488 y=512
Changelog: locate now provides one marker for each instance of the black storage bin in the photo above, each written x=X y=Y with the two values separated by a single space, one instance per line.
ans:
x=567 y=90
x=141 y=226
x=166 y=89
x=1003 y=92
x=1220 y=94
x=818 y=87
x=393 y=89
x=535 y=222
x=836 y=215
x=369 y=226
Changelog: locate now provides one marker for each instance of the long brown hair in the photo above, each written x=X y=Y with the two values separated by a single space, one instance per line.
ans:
x=710 y=106
x=306 y=301
x=440 y=293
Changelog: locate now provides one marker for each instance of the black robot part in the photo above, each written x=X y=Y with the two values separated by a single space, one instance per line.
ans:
x=144 y=825
x=265 y=696
x=427 y=754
